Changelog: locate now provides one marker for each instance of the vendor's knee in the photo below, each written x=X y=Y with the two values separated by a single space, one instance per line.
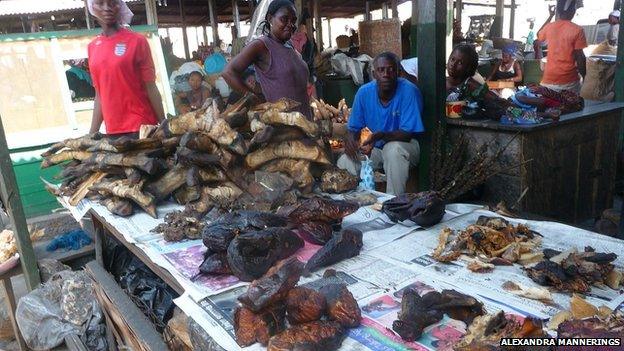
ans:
x=344 y=162
x=395 y=150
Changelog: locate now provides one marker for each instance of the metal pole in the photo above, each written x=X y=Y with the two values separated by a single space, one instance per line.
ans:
x=213 y=22
x=187 y=53
x=367 y=11
x=236 y=18
x=459 y=8
x=9 y=192
x=205 y=33
x=384 y=10
x=432 y=16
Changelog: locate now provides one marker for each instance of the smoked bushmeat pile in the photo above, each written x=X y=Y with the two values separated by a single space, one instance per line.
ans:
x=573 y=271
x=282 y=316
x=494 y=238
x=203 y=159
x=247 y=243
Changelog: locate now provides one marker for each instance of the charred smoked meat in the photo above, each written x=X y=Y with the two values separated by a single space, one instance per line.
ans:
x=343 y=245
x=218 y=235
x=250 y=255
x=253 y=327
x=317 y=233
x=321 y=209
x=425 y=208
x=215 y=263
x=341 y=305
x=273 y=286
x=305 y=305
x=312 y=336
x=418 y=312
x=415 y=315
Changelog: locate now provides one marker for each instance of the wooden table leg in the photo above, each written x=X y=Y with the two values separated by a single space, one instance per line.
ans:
x=99 y=243
x=10 y=299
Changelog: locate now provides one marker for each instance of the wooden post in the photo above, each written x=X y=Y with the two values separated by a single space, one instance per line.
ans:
x=213 y=22
x=318 y=25
x=152 y=14
x=236 y=18
x=414 y=29
x=384 y=10
x=205 y=33
x=367 y=11
x=87 y=18
x=13 y=205
x=432 y=37
x=187 y=53
x=497 y=27
x=330 y=43
x=299 y=8
x=395 y=9
x=459 y=9
x=512 y=20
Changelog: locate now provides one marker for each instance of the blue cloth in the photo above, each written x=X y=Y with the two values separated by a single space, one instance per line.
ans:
x=215 y=63
x=524 y=92
x=72 y=240
x=402 y=113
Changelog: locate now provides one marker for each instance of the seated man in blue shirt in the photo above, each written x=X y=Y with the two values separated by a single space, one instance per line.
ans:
x=391 y=108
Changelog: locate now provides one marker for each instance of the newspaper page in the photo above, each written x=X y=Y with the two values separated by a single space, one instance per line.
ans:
x=415 y=252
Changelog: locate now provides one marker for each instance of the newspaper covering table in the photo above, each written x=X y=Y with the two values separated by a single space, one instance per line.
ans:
x=394 y=256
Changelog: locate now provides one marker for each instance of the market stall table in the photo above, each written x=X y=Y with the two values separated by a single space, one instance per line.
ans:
x=564 y=170
x=395 y=256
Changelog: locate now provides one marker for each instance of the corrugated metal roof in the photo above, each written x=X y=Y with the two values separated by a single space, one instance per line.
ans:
x=26 y=7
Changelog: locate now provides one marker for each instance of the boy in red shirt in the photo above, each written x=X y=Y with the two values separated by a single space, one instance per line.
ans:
x=123 y=73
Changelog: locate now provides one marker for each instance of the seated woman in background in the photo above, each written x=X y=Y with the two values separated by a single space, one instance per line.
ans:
x=508 y=69
x=531 y=105
x=195 y=98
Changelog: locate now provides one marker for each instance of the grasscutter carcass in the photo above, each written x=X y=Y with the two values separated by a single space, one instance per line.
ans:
x=293 y=149
x=345 y=244
x=273 y=286
x=316 y=335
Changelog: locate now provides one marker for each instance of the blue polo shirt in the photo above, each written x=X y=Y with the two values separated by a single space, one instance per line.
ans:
x=403 y=112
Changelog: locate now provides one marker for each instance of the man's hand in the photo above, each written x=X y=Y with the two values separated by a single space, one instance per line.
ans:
x=351 y=146
x=369 y=144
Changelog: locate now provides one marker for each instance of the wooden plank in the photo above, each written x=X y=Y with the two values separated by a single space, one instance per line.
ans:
x=12 y=305
x=9 y=192
x=585 y=207
x=137 y=322
x=431 y=77
x=107 y=229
